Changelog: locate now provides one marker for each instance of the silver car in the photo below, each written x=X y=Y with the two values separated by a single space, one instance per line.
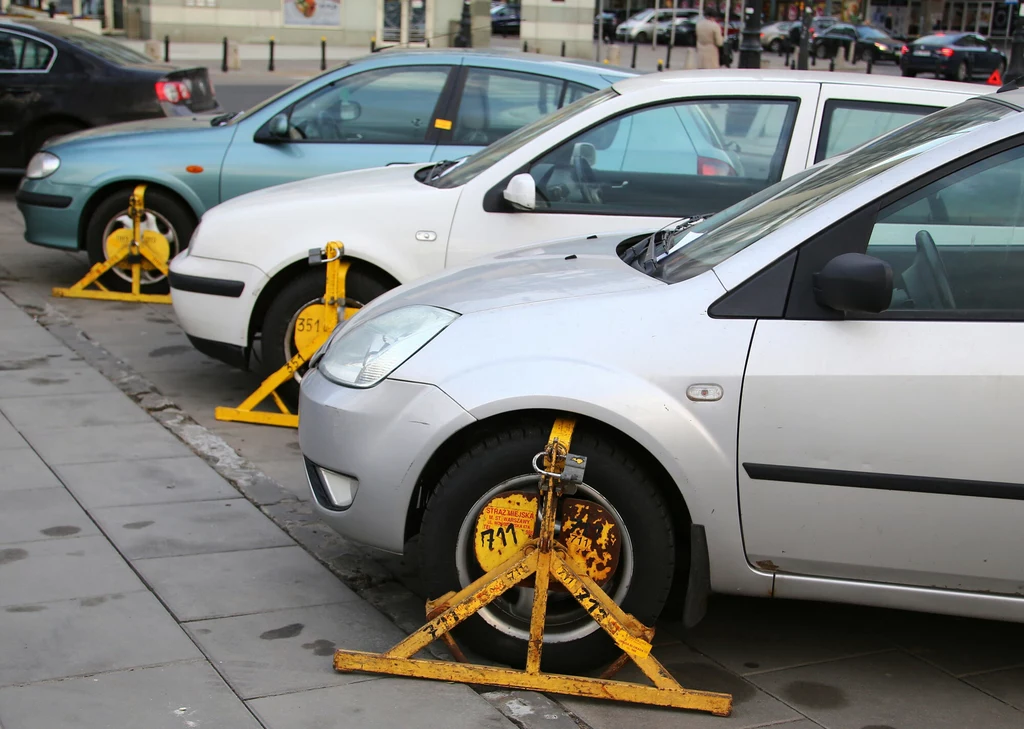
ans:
x=814 y=394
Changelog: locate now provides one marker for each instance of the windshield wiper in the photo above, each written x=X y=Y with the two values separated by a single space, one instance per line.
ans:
x=650 y=262
x=437 y=169
x=221 y=119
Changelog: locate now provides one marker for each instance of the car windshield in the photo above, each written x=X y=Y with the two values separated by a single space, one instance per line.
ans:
x=641 y=17
x=475 y=164
x=703 y=246
x=106 y=49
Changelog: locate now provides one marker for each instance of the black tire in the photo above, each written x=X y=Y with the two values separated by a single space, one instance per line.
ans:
x=642 y=37
x=909 y=73
x=821 y=52
x=164 y=211
x=615 y=475
x=960 y=73
x=775 y=46
x=279 y=321
x=51 y=131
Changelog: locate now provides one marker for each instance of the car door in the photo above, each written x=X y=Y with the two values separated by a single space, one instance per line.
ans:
x=25 y=83
x=374 y=118
x=983 y=59
x=645 y=168
x=849 y=116
x=492 y=102
x=886 y=448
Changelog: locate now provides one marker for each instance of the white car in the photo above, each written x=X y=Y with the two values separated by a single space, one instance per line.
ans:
x=635 y=156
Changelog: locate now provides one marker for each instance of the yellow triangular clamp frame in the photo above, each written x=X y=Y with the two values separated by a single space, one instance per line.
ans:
x=544 y=557
x=324 y=315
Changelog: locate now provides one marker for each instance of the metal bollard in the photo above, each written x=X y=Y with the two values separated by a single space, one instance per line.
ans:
x=224 y=61
x=563 y=49
x=167 y=49
x=633 y=65
x=814 y=59
x=661 y=65
x=787 y=57
x=869 y=63
x=52 y=9
x=323 y=53
x=668 y=57
x=792 y=65
x=526 y=47
x=373 y=44
x=270 y=66
x=832 y=64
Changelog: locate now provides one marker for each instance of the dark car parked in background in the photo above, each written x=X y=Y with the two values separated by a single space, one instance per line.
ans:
x=866 y=43
x=611 y=20
x=505 y=20
x=957 y=56
x=56 y=79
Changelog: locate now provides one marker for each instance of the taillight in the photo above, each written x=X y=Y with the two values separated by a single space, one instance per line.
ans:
x=905 y=50
x=173 y=92
x=947 y=52
x=714 y=167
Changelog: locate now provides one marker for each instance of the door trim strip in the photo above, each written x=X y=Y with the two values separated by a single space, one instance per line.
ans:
x=885 y=481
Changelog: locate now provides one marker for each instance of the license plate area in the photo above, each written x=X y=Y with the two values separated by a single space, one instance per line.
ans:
x=923 y=53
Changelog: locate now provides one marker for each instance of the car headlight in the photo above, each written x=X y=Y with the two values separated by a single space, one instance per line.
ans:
x=367 y=351
x=881 y=46
x=42 y=164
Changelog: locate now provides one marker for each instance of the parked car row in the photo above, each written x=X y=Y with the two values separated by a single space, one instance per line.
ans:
x=754 y=279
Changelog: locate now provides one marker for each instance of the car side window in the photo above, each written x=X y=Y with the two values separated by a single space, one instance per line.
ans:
x=848 y=124
x=957 y=245
x=18 y=53
x=676 y=159
x=383 y=106
x=495 y=103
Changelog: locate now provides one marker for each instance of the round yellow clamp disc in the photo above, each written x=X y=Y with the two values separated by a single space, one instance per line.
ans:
x=311 y=328
x=153 y=241
x=504 y=526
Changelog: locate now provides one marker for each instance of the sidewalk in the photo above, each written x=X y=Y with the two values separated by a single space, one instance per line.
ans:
x=138 y=588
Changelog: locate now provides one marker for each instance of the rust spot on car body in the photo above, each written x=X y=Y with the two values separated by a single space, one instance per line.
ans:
x=767 y=564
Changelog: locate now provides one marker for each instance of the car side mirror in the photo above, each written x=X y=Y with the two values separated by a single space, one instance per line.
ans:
x=854 y=282
x=521 y=192
x=275 y=130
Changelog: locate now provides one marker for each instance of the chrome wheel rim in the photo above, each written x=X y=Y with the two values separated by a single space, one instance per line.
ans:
x=566 y=621
x=153 y=221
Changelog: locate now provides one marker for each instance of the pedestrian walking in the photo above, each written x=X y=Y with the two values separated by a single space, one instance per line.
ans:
x=709 y=41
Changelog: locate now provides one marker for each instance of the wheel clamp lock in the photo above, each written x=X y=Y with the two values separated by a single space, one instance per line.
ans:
x=319 y=320
x=135 y=249
x=543 y=558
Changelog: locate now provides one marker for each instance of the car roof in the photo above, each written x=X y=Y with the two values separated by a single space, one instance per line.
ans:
x=485 y=53
x=61 y=30
x=660 y=80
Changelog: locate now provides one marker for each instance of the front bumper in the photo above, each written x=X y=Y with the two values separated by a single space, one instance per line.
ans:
x=382 y=437
x=213 y=301
x=51 y=212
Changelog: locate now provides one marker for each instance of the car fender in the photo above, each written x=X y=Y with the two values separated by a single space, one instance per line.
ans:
x=153 y=177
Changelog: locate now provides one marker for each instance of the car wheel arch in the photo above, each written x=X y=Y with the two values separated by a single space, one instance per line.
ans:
x=445 y=455
x=127 y=185
x=280 y=278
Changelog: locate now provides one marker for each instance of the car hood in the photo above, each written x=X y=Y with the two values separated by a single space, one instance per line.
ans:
x=560 y=269
x=141 y=130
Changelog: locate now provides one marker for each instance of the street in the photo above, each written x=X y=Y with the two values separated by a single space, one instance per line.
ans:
x=161 y=568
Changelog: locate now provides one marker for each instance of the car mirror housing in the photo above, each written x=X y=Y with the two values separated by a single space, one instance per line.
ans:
x=275 y=130
x=521 y=192
x=854 y=282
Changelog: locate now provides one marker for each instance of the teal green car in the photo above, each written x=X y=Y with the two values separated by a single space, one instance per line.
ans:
x=386 y=108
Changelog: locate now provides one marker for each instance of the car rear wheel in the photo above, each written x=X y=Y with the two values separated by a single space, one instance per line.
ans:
x=164 y=214
x=614 y=481
x=277 y=338
x=960 y=73
x=821 y=51
x=775 y=46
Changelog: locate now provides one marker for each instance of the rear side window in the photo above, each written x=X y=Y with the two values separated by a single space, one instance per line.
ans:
x=495 y=103
x=849 y=124
x=20 y=53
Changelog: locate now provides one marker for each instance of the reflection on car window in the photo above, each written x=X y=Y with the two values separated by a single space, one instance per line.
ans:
x=671 y=160
x=495 y=103
x=723 y=235
x=383 y=106
x=20 y=53
x=505 y=146
x=106 y=49
x=849 y=124
x=972 y=222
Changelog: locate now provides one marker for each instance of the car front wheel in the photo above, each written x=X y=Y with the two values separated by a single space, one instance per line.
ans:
x=282 y=320
x=614 y=481
x=163 y=214
x=960 y=73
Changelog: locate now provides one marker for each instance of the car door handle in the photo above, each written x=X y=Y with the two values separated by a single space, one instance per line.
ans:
x=619 y=187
